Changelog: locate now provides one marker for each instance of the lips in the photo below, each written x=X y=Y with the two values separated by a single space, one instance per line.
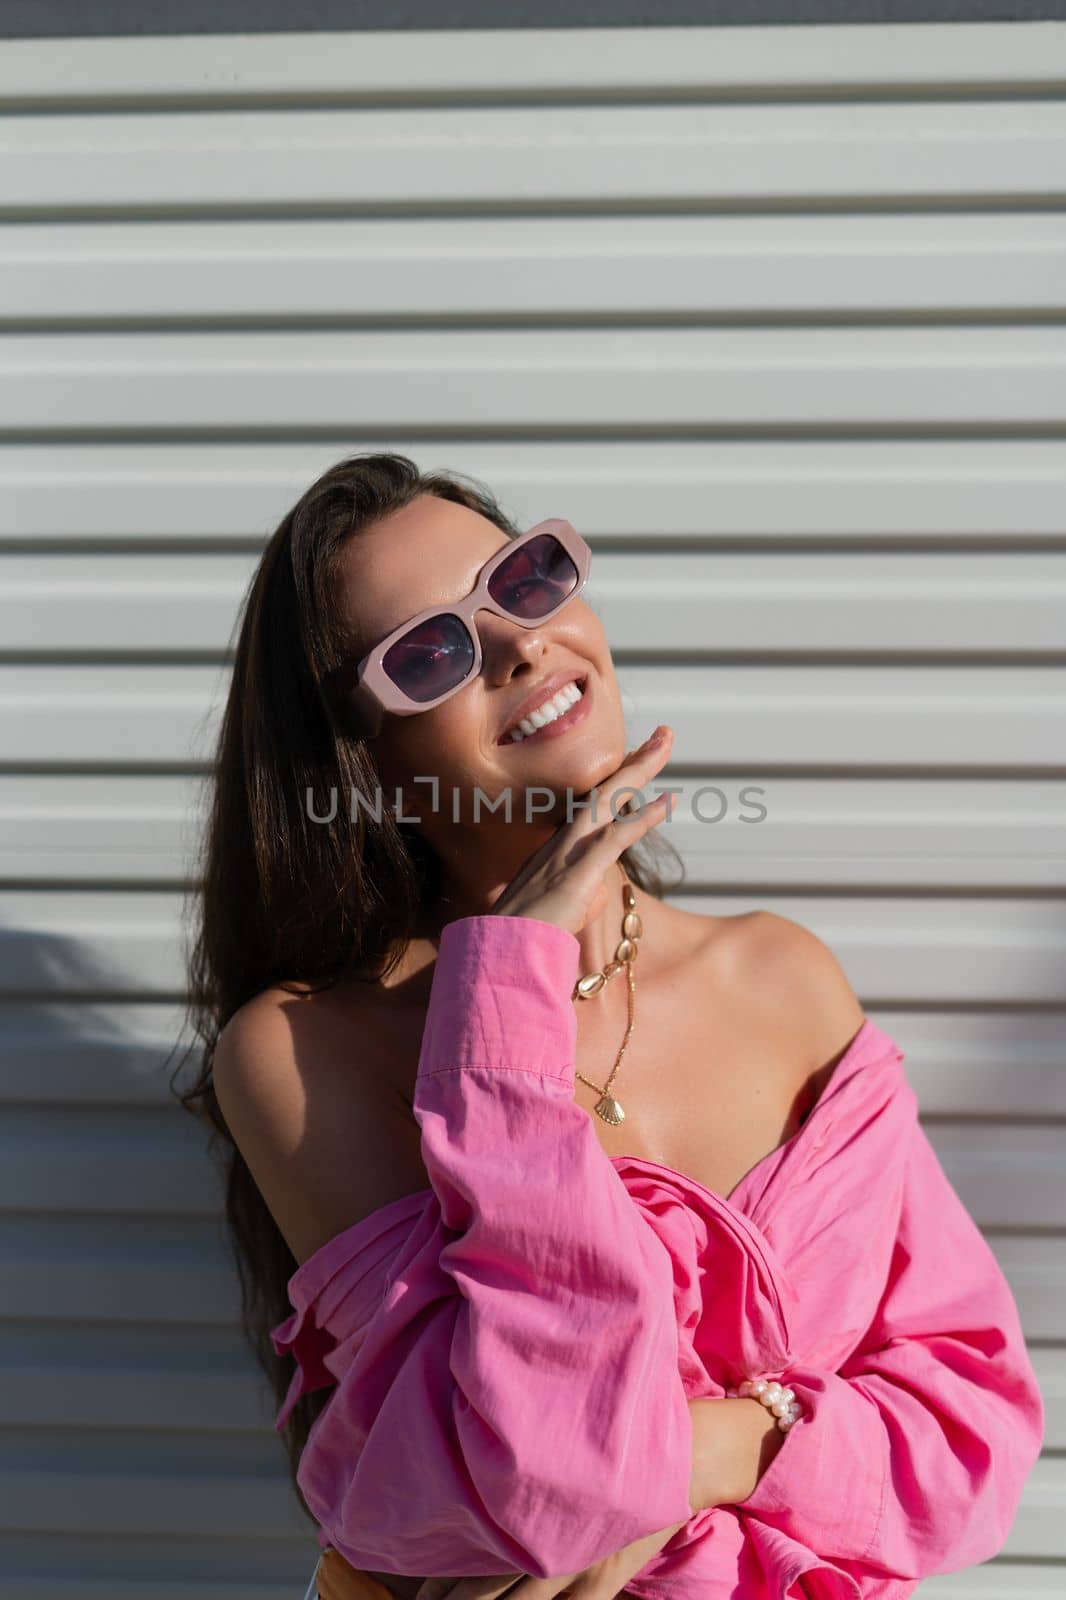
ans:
x=545 y=691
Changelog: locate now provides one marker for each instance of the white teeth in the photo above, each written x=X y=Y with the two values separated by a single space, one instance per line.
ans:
x=548 y=712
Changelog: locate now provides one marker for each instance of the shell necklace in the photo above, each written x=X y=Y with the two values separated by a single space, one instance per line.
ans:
x=607 y=1107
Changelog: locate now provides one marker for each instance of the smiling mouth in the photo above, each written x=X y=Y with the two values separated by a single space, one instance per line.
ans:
x=553 y=710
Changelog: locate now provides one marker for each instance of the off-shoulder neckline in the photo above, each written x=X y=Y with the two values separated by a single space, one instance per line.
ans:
x=378 y=1221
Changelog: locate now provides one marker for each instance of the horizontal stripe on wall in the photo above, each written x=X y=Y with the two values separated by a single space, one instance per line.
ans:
x=802 y=717
x=593 y=156
x=595 y=267
x=743 y=830
x=639 y=493
x=641 y=379
x=950 y=58
x=1005 y=605
x=929 y=949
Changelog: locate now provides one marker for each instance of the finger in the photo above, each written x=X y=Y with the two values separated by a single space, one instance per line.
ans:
x=623 y=831
x=598 y=807
x=593 y=854
x=435 y=1588
x=544 y=1588
x=633 y=774
x=604 y=799
x=483 y=1588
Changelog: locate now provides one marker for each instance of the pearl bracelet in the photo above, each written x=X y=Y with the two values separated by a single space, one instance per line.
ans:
x=775 y=1397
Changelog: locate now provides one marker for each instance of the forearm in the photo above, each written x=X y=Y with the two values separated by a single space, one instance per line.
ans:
x=533 y=1263
x=733 y=1444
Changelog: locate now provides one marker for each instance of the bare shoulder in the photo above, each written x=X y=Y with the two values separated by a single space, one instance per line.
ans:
x=787 y=998
x=302 y=1082
x=798 y=980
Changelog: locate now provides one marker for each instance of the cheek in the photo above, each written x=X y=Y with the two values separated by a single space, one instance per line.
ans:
x=444 y=743
x=462 y=735
x=585 y=627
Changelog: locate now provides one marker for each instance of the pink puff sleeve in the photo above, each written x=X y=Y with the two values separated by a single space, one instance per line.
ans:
x=912 y=1458
x=518 y=1404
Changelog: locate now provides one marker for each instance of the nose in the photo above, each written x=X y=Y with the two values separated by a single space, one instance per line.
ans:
x=507 y=646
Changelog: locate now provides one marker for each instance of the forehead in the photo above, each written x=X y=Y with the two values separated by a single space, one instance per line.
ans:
x=427 y=554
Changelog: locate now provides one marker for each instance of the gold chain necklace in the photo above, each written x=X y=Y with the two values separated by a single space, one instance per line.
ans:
x=607 y=1107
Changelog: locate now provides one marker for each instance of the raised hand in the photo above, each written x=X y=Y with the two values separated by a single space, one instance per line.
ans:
x=564 y=881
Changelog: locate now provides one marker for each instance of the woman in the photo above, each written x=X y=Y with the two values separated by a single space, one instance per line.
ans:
x=440 y=1206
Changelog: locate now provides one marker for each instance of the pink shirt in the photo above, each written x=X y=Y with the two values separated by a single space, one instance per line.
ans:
x=513 y=1349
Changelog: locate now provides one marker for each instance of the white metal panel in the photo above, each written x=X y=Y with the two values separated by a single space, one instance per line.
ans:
x=737 y=829
x=962 y=950
x=485 y=155
x=537 y=379
x=131 y=1161
x=118 y=603
x=764 y=603
x=783 y=313
x=695 y=492
x=142 y=1376
x=135 y=828
x=96 y=1268
x=130 y=1493
x=69 y=1566
x=112 y=1053
x=1002 y=1579
x=945 y=58
x=867 y=715
x=482 y=267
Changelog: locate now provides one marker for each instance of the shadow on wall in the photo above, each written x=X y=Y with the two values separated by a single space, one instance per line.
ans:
x=137 y=1395
x=92 y=1127
x=77 y=1010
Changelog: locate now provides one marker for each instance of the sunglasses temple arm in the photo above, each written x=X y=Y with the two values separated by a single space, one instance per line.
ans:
x=363 y=712
x=353 y=706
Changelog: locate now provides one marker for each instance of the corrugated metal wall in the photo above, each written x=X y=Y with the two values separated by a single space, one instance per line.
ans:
x=783 y=307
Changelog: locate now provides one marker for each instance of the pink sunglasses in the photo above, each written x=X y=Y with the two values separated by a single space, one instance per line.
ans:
x=434 y=654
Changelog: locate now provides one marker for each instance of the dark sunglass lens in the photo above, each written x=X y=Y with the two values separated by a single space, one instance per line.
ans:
x=431 y=659
x=536 y=579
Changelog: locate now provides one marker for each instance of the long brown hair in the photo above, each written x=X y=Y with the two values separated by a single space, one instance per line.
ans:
x=281 y=899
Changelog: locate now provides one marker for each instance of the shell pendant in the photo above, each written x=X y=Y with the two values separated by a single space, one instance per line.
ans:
x=609 y=1109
